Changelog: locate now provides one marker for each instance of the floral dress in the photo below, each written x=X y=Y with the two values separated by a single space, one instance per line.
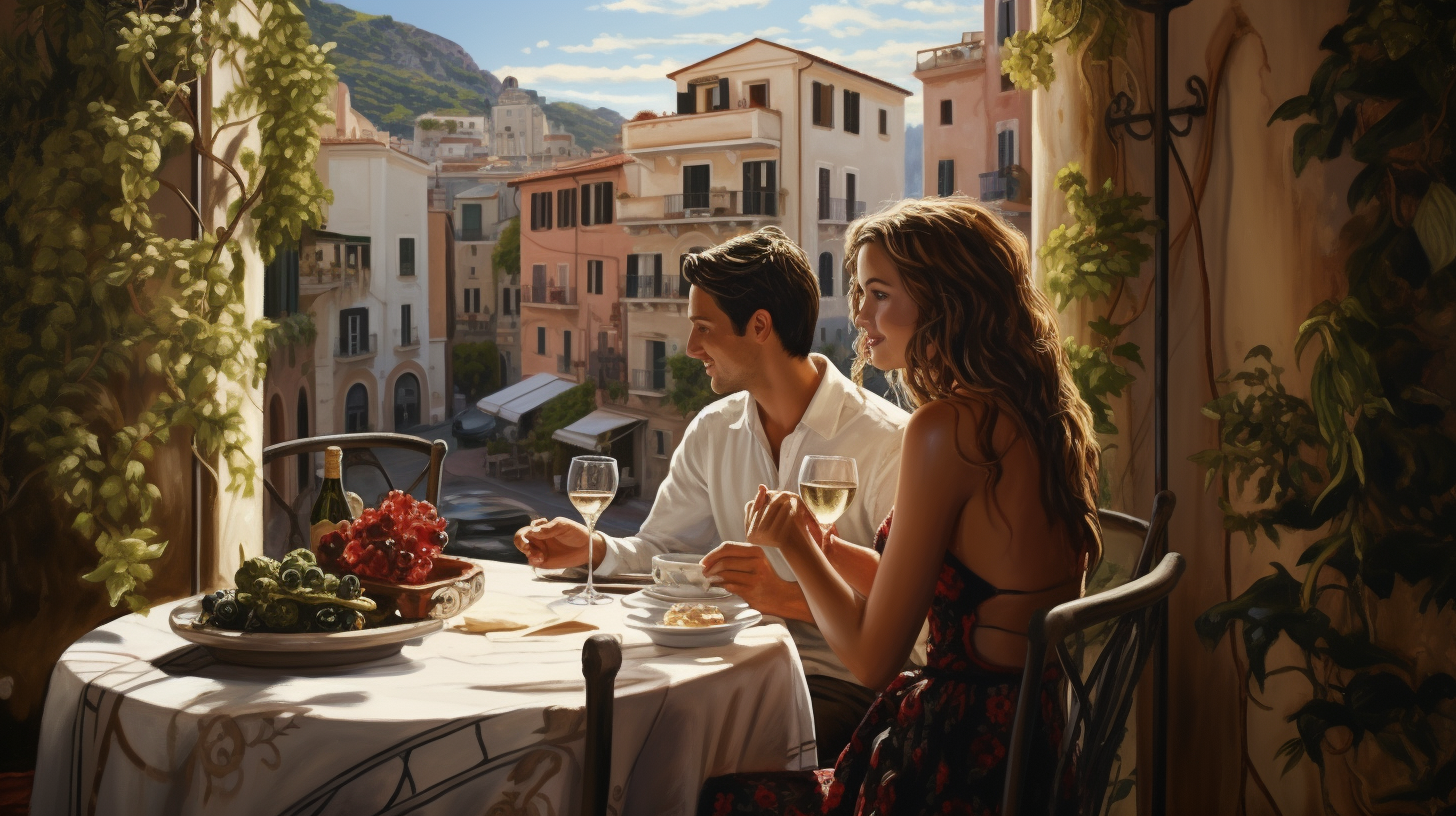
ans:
x=934 y=741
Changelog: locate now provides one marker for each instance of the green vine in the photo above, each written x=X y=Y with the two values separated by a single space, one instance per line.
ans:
x=1366 y=461
x=1101 y=25
x=1092 y=258
x=98 y=303
x=290 y=332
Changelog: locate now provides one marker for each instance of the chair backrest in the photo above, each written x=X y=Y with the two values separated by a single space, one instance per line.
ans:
x=601 y=657
x=358 y=452
x=1102 y=696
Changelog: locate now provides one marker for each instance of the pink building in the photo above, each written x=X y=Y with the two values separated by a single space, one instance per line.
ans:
x=977 y=124
x=573 y=259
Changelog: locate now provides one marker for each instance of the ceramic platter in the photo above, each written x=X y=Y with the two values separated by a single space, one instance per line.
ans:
x=689 y=637
x=296 y=650
x=650 y=599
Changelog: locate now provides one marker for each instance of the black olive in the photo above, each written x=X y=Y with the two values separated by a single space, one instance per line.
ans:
x=313 y=577
x=291 y=579
x=209 y=602
x=228 y=612
x=349 y=587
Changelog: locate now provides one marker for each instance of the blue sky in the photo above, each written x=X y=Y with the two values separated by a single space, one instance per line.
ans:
x=615 y=53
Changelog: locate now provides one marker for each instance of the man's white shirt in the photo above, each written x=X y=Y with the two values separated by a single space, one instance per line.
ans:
x=724 y=456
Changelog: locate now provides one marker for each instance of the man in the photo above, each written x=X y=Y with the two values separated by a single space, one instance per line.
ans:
x=753 y=305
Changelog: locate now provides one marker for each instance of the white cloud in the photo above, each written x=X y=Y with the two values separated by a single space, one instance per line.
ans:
x=852 y=21
x=615 y=99
x=533 y=75
x=892 y=61
x=642 y=57
x=793 y=42
x=931 y=7
x=677 y=8
x=526 y=50
x=543 y=44
x=607 y=43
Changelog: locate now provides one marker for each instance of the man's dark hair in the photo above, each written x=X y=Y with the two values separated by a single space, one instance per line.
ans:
x=761 y=270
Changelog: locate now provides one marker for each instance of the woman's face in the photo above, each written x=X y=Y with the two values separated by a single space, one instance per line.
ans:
x=888 y=315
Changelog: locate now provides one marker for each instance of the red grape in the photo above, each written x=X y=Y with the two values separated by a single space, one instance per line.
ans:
x=395 y=542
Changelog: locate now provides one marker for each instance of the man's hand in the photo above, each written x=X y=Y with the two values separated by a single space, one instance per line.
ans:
x=780 y=519
x=744 y=570
x=557 y=544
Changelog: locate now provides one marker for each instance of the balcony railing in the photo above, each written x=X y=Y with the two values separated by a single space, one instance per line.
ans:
x=315 y=278
x=471 y=235
x=549 y=295
x=744 y=127
x=352 y=348
x=716 y=204
x=838 y=209
x=948 y=55
x=1006 y=184
x=654 y=286
x=407 y=336
x=507 y=322
x=656 y=380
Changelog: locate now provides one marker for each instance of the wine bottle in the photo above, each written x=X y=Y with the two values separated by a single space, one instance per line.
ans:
x=331 y=506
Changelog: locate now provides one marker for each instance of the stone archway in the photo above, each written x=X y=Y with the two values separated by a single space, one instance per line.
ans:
x=406 y=401
x=356 y=409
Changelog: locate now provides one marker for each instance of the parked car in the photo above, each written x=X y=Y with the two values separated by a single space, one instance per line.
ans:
x=482 y=524
x=473 y=427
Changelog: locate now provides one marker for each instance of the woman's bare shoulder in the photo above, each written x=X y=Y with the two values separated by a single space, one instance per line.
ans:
x=957 y=425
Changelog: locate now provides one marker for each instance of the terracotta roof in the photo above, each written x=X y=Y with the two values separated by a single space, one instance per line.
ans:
x=573 y=168
x=806 y=54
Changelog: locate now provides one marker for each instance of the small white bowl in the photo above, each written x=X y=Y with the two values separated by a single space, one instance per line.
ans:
x=692 y=637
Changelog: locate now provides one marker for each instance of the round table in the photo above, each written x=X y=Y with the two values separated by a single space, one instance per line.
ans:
x=139 y=721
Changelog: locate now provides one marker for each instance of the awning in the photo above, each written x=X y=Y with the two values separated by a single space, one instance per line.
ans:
x=515 y=401
x=587 y=431
x=339 y=236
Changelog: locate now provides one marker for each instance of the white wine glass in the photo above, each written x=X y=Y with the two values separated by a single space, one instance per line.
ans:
x=827 y=485
x=591 y=483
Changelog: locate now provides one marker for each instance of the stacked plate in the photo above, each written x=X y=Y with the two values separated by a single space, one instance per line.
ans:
x=737 y=618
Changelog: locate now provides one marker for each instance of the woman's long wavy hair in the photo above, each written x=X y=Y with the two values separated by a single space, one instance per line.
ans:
x=986 y=328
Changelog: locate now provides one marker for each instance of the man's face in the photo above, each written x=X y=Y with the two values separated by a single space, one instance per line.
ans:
x=729 y=358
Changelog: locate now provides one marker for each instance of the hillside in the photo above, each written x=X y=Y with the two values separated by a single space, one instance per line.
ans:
x=396 y=72
x=915 y=161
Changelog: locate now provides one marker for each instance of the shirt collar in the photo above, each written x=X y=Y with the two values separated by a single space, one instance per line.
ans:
x=822 y=415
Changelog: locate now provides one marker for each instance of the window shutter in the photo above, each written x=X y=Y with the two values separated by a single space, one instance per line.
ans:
x=818 y=103
x=723 y=94
x=657 y=265
x=685 y=102
x=607 y=200
x=829 y=107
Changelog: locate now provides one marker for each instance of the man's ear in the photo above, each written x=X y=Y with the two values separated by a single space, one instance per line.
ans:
x=760 y=326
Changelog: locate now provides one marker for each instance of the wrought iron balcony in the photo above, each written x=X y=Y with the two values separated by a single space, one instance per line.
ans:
x=644 y=287
x=357 y=347
x=656 y=380
x=949 y=55
x=549 y=295
x=839 y=210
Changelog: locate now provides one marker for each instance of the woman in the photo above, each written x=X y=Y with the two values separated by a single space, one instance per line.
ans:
x=995 y=517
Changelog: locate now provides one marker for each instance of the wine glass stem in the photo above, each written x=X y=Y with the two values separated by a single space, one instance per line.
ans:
x=591 y=534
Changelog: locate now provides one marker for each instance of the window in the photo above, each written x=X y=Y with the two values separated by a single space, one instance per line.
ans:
x=851 y=111
x=597 y=201
x=540 y=211
x=566 y=207
x=945 y=178
x=826 y=274
x=506 y=302
x=945 y=112
x=823 y=105
x=644 y=275
x=472 y=301
x=407 y=256
x=1005 y=20
x=657 y=358
x=280 y=284
x=824 y=208
x=851 y=207
x=540 y=339
x=758 y=95
x=714 y=95
x=594 y=277
x=563 y=365
x=1006 y=147
x=760 y=188
x=696 y=180
x=470 y=223
x=356 y=409
x=563 y=275
x=884 y=122
x=661 y=443
x=473 y=249
x=354 y=332
x=406 y=330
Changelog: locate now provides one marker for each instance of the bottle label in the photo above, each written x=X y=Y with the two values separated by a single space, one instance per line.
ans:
x=319 y=530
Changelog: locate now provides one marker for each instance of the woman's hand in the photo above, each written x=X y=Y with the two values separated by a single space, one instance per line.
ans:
x=779 y=519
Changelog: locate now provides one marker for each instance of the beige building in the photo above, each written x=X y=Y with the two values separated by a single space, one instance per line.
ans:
x=764 y=134
x=977 y=124
x=487 y=304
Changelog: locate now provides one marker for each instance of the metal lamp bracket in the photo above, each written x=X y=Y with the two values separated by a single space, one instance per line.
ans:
x=1120 y=116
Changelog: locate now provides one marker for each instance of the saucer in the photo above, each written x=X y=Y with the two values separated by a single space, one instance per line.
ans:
x=690 y=637
x=642 y=600
x=684 y=594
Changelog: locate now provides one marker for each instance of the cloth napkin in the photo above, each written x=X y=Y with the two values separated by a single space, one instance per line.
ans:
x=499 y=615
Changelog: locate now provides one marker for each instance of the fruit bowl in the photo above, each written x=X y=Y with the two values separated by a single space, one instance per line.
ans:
x=452 y=586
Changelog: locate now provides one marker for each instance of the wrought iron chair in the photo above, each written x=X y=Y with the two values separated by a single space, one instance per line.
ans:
x=358 y=452
x=601 y=657
x=1101 y=696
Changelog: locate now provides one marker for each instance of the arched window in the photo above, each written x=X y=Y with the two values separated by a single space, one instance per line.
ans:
x=406 y=402
x=356 y=409
x=826 y=274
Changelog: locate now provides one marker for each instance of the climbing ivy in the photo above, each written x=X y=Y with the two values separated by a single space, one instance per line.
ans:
x=1368 y=461
x=1100 y=25
x=98 y=304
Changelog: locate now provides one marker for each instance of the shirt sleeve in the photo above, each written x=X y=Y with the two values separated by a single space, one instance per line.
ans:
x=681 y=519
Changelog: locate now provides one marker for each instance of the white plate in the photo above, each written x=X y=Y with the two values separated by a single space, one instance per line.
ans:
x=642 y=600
x=296 y=650
x=691 y=637
x=685 y=594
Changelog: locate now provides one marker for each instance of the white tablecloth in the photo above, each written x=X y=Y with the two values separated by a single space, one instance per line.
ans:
x=138 y=721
